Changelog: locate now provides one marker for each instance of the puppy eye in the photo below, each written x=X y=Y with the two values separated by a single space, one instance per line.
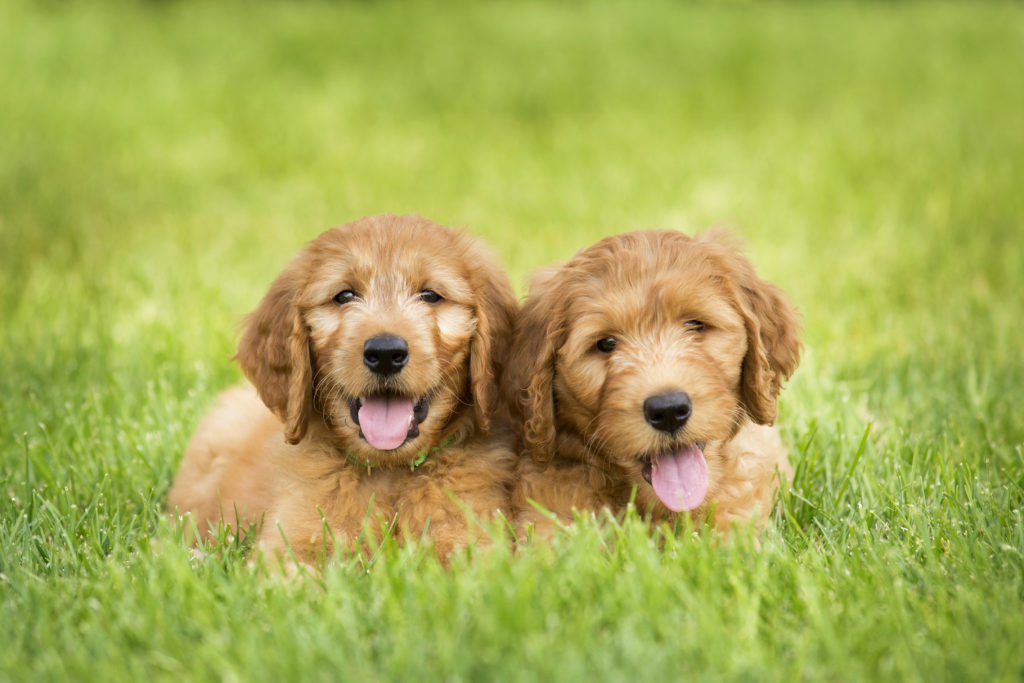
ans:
x=430 y=296
x=607 y=345
x=695 y=325
x=345 y=296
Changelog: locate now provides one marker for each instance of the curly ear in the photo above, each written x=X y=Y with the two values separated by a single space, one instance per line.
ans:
x=773 y=345
x=527 y=383
x=496 y=308
x=274 y=353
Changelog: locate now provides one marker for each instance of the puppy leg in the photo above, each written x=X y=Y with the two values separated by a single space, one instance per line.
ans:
x=562 y=489
x=328 y=511
x=755 y=460
x=468 y=487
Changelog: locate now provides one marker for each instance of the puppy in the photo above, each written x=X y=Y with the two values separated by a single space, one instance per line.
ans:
x=650 y=363
x=374 y=360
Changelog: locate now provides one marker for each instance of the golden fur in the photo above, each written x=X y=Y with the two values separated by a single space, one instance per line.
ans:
x=687 y=315
x=294 y=455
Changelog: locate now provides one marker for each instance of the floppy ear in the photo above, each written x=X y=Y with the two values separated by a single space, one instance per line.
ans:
x=527 y=383
x=496 y=308
x=773 y=345
x=274 y=352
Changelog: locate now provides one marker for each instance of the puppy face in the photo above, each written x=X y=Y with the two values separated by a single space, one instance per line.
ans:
x=389 y=330
x=648 y=347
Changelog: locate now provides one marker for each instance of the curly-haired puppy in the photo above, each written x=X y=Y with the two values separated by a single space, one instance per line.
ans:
x=650 y=362
x=375 y=357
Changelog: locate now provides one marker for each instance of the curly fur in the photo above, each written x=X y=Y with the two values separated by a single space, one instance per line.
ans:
x=287 y=450
x=578 y=411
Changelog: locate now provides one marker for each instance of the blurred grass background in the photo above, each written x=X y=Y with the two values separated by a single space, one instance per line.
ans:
x=159 y=162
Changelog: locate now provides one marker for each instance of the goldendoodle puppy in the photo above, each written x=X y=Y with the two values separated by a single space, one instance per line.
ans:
x=650 y=363
x=374 y=358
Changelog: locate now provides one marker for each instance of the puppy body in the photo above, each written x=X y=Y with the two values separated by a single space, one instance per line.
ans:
x=374 y=359
x=440 y=499
x=228 y=472
x=650 y=362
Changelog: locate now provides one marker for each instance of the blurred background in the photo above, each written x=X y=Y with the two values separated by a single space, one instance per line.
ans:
x=161 y=161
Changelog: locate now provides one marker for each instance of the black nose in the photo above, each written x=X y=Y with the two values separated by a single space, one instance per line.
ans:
x=668 y=412
x=385 y=354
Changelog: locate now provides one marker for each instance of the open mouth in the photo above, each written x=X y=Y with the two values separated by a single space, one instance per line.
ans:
x=679 y=478
x=387 y=421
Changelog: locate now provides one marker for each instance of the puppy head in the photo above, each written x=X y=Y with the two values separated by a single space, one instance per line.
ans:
x=388 y=329
x=647 y=347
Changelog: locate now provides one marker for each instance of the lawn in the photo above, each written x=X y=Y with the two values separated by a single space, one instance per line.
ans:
x=159 y=161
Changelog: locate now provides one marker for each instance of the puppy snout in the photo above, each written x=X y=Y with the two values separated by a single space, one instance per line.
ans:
x=385 y=354
x=668 y=412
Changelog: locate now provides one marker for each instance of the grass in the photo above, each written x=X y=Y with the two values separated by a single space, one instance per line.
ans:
x=159 y=161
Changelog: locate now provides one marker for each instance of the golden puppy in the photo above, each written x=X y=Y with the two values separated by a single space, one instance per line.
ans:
x=650 y=362
x=375 y=357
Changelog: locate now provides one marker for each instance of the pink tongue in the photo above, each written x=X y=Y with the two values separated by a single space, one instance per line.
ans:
x=680 y=479
x=385 y=421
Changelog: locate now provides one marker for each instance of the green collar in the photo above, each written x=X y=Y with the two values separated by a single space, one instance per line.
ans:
x=420 y=458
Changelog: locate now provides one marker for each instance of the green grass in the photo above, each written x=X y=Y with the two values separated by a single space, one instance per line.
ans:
x=160 y=161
